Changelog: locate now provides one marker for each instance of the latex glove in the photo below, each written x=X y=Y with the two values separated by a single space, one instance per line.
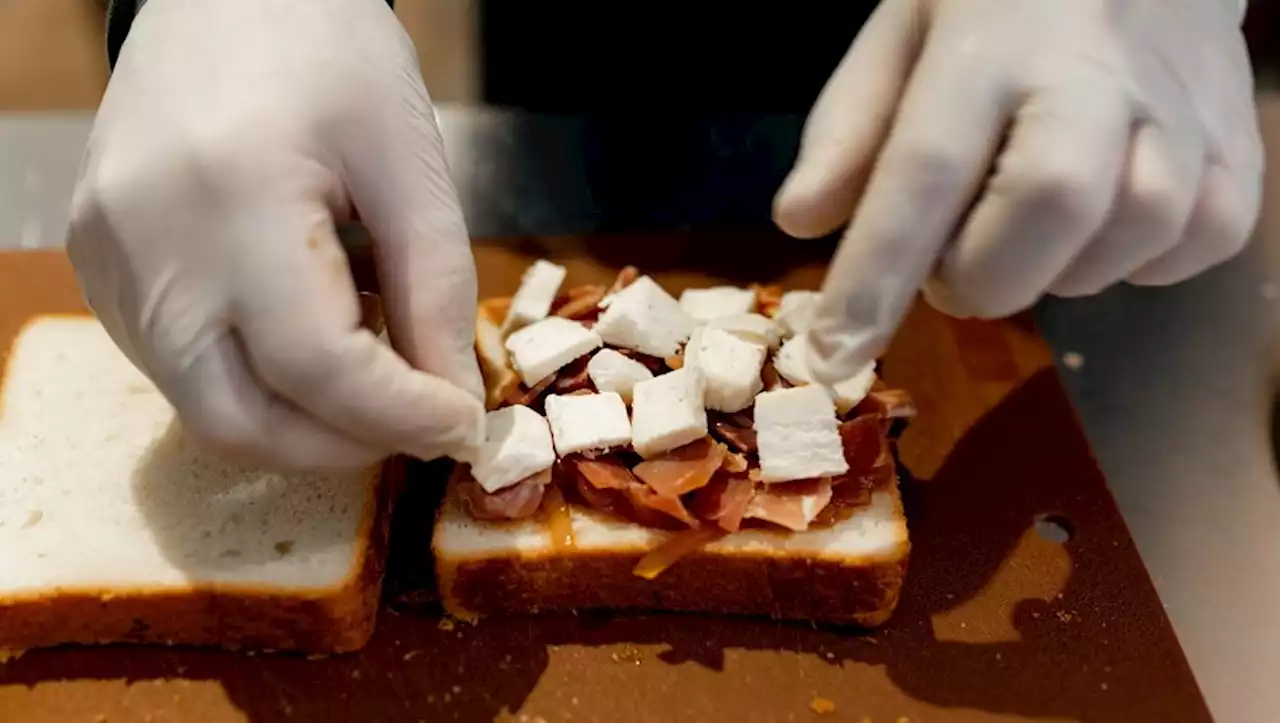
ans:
x=232 y=136
x=1009 y=148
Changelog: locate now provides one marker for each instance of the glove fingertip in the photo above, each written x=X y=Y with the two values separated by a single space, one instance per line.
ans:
x=800 y=207
x=835 y=357
x=460 y=424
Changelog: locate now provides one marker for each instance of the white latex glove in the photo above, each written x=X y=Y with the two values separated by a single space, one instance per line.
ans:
x=231 y=138
x=1002 y=149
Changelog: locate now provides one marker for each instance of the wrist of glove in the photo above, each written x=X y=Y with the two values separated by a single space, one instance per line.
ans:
x=992 y=151
x=232 y=137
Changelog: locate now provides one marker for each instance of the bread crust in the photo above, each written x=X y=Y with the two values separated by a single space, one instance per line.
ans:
x=328 y=621
x=755 y=582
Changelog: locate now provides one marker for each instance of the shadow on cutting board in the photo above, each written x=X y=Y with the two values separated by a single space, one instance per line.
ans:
x=997 y=622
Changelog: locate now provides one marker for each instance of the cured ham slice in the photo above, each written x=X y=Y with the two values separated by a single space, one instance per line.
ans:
x=518 y=501
x=683 y=469
x=724 y=501
x=793 y=505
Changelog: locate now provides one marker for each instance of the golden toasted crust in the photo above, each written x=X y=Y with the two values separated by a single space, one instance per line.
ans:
x=330 y=621
x=795 y=588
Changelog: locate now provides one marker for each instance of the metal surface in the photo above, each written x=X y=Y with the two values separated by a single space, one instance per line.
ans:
x=1175 y=389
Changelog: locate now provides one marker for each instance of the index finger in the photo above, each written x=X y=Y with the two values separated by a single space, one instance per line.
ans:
x=303 y=338
x=946 y=131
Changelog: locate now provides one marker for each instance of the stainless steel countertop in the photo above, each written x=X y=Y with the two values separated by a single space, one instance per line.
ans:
x=1176 y=389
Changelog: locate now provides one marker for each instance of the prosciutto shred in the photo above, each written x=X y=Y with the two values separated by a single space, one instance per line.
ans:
x=573 y=378
x=793 y=505
x=646 y=502
x=741 y=439
x=581 y=302
x=605 y=473
x=724 y=501
x=516 y=502
x=682 y=470
x=529 y=396
x=607 y=485
x=626 y=277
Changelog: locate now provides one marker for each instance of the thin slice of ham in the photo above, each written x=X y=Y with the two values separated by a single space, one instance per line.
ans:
x=646 y=503
x=735 y=463
x=741 y=439
x=864 y=443
x=518 y=501
x=793 y=505
x=724 y=501
x=606 y=483
x=683 y=469
x=606 y=472
x=529 y=397
x=572 y=378
x=580 y=302
x=626 y=277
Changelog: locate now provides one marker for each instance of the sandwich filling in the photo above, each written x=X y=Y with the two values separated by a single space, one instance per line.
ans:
x=696 y=415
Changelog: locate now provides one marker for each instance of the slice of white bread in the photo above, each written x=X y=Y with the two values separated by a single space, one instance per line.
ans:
x=114 y=528
x=850 y=573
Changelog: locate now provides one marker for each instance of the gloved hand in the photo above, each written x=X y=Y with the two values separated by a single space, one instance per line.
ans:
x=233 y=135
x=1002 y=149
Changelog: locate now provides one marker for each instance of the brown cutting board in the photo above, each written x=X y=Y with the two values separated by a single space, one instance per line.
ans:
x=1000 y=619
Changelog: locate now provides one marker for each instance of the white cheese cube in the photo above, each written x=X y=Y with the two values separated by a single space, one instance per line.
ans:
x=798 y=435
x=612 y=371
x=795 y=311
x=731 y=366
x=544 y=347
x=717 y=301
x=667 y=411
x=692 y=347
x=644 y=317
x=792 y=364
x=537 y=292
x=517 y=444
x=752 y=327
x=588 y=422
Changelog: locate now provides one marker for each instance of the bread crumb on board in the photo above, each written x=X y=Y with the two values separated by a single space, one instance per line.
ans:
x=822 y=706
x=6 y=655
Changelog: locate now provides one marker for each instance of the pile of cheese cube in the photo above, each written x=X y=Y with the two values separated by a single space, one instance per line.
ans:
x=725 y=346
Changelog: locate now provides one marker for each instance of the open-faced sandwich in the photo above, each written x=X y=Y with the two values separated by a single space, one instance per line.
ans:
x=646 y=452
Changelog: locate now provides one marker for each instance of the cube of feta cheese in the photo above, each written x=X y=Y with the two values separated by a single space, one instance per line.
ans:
x=752 y=327
x=731 y=366
x=644 y=317
x=544 y=347
x=692 y=347
x=667 y=411
x=792 y=364
x=537 y=292
x=612 y=371
x=517 y=444
x=795 y=311
x=717 y=301
x=798 y=435
x=588 y=422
